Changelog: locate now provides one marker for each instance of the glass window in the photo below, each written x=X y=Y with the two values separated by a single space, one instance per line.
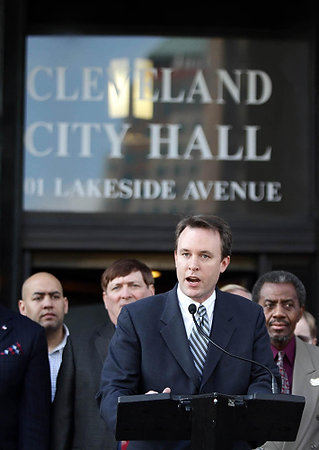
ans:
x=167 y=124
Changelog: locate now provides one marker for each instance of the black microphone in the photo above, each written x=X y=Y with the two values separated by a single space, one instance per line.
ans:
x=192 y=309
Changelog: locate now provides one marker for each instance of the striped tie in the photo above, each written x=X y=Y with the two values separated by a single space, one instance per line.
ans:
x=197 y=342
x=285 y=387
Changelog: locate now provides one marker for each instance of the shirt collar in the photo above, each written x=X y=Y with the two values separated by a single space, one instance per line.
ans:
x=289 y=350
x=63 y=342
x=185 y=301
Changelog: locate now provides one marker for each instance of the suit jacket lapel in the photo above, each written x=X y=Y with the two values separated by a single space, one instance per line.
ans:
x=102 y=339
x=174 y=334
x=304 y=370
x=221 y=332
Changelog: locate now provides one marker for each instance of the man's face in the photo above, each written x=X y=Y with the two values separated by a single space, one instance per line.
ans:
x=43 y=301
x=123 y=290
x=282 y=311
x=199 y=262
x=302 y=330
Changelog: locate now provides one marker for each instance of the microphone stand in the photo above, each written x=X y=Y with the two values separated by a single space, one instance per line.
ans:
x=274 y=388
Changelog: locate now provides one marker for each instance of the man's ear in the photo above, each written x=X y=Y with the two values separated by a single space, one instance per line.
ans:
x=21 y=306
x=66 y=305
x=104 y=296
x=152 y=288
x=175 y=256
x=224 y=264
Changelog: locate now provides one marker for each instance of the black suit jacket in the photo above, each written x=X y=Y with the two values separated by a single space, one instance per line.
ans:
x=76 y=422
x=150 y=350
x=24 y=384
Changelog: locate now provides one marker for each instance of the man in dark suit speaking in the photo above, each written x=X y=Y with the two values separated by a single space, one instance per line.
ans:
x=24 y=384
x=155 y=346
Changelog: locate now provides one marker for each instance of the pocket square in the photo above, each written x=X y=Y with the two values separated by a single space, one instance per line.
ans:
x=14 y=349
x=314 y=381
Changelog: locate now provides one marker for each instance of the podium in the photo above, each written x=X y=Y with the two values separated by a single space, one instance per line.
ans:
x=210 y=421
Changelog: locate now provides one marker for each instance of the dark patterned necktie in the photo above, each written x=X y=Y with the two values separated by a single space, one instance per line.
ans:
x=285 y=387
x=197 y=342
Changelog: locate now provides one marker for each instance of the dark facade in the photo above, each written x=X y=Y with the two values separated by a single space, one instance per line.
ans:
x=31 y=241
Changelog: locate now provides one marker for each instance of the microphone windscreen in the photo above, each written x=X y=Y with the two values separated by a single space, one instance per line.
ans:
x=192 y=308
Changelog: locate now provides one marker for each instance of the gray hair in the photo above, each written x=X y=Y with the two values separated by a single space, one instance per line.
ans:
x=280 y=276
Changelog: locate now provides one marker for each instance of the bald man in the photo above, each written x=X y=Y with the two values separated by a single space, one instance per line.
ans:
x=43 y=301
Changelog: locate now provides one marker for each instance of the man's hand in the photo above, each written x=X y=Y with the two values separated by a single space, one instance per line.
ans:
x=167 y=390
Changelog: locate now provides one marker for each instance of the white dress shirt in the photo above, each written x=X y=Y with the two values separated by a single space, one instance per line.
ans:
x=184 y=303
x=55 y=360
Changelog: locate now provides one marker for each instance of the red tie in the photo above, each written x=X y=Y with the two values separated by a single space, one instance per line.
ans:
x=124 y=445
x=285 y=388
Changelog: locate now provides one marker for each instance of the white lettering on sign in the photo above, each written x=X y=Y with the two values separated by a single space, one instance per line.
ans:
x=115 y=189
x=254 y=191
x=148 y=121
x=150 y=189
x=250 y=87
x=163 y=141
x=60 y=134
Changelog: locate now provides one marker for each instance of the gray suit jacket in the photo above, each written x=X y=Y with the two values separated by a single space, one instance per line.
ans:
x=305 y=383
x=76 y=422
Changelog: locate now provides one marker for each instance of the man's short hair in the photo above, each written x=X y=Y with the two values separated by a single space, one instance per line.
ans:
x=234 y=287
x=214 y=223
x=280 y=276
x=123 y=267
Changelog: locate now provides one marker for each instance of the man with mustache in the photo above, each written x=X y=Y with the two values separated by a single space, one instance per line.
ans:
x=43 y=301
x=282 y=296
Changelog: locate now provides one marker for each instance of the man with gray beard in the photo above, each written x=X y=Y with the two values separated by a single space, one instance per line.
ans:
x=282 y=296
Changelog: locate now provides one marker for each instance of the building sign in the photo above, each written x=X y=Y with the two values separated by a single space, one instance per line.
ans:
x=167 y=125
